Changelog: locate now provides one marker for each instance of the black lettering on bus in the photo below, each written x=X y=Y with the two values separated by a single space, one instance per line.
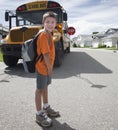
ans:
x=33 y=6
x=42 y=5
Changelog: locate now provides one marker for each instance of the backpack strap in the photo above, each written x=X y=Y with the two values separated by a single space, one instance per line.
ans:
x=48 y=38
x=41 y=55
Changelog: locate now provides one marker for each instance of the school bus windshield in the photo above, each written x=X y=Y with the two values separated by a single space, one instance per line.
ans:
x=35 y=17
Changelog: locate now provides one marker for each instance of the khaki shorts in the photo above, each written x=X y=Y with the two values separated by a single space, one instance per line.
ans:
x=42 y=81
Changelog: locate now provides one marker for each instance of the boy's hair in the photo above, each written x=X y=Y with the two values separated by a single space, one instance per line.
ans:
x=49 y=14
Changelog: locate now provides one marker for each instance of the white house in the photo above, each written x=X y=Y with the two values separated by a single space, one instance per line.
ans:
x=108 y=38
x=96 y=42
x=111 y=39
x=83 y=40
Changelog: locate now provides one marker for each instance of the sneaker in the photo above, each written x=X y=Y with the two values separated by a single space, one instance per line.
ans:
x=43 y=120
x=51 y=112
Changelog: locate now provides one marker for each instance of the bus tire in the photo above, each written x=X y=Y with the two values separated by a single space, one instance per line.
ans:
x=10 y=60
x=68 y=49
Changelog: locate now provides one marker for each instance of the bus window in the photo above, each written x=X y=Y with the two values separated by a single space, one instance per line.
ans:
x=35 y=17
x=27 y=23
x=21 y=22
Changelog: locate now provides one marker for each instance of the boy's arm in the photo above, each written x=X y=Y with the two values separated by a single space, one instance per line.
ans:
x=47 y=61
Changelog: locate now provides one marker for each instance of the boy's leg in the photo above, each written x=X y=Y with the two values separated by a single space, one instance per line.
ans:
x=41 y=83
x=38 y=99
x=45 y=95
x=41 y=116
x=51 y=112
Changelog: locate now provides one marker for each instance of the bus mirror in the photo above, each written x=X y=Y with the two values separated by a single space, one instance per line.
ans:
x=3 y=36
x=6 y=16
x=65 y=16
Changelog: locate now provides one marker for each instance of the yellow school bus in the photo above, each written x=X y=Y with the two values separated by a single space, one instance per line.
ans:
x=28 y=21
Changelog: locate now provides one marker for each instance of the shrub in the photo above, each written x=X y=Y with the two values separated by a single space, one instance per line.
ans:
x=74 y=45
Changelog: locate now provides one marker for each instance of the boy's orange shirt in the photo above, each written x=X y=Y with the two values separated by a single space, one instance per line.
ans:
x=44 y=47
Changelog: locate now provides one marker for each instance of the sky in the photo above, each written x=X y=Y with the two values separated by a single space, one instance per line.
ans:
x=86 y=16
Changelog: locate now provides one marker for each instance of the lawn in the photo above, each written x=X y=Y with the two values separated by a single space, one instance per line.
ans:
x=1 y=59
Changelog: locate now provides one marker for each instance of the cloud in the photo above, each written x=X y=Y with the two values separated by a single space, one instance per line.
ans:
x=1 y=1
x=95 y=17
x=85 y=27
x=68 y=5
x=86 y=16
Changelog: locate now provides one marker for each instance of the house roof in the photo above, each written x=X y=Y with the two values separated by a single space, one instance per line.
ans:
x=111 y=32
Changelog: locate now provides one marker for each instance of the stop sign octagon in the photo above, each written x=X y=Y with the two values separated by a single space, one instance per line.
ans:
x=71 y=30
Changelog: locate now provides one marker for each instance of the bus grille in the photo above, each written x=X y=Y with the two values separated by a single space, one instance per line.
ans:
x=20 y=36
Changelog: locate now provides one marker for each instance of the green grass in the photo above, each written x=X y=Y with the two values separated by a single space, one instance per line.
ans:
x=112 y=48
x=1 y=58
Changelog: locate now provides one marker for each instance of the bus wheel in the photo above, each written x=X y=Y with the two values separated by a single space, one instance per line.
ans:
x=68 y=49
x=58 y=58
x=10 y=60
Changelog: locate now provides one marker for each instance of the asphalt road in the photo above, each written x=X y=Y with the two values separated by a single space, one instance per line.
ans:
x=84 y=89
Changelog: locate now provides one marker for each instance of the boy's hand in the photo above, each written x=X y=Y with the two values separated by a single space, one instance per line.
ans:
x=49 y=71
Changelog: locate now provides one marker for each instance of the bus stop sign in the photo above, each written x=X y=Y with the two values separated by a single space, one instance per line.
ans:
x=71 y=30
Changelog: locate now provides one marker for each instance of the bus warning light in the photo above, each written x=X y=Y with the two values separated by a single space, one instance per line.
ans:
x=21 y=8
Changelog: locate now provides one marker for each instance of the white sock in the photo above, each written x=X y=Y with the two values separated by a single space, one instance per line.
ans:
x=39 y=112
x=45 y=105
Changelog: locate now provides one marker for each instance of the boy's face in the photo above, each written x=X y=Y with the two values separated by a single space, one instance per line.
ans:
x=49 y=24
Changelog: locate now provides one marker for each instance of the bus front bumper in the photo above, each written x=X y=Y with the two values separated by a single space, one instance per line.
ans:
x=11 y=49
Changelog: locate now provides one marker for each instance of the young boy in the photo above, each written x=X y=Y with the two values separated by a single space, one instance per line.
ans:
x=45 y=46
